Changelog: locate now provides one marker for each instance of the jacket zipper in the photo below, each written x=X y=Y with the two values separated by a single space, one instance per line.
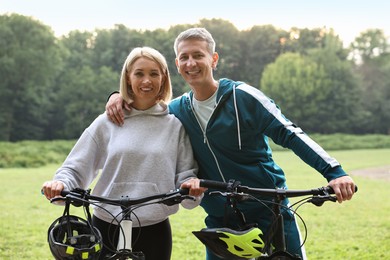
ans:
x=205 y=140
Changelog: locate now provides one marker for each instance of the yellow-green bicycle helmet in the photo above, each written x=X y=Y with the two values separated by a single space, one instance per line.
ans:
x=231 y=244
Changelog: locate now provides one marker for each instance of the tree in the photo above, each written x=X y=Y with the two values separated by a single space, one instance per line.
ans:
x=28 y=63
x=298 y=85
x=371 y=52
x=80 y=99
x=258 y=47
x=341 y=111
x=368 y=45
x=318 y=87
x=303 y=39
x=112 y=46
x=77 y=50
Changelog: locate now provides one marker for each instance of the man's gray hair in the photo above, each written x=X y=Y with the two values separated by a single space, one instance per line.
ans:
x=196 y=34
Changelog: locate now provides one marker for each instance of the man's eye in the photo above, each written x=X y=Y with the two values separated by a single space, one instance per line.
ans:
x=198 y=56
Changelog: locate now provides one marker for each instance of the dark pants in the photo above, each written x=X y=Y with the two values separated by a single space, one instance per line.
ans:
x=154 y=241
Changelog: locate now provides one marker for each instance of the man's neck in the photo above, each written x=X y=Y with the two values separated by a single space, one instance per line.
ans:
x=205 y=91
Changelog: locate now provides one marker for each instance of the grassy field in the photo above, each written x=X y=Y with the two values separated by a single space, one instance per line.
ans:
x=358 y=229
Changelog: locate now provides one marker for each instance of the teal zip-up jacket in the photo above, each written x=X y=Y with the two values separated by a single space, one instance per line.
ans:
x=235 y=144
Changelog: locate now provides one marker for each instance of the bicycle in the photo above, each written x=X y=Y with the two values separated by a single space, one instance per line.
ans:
x=83 y=198
x=250 y=242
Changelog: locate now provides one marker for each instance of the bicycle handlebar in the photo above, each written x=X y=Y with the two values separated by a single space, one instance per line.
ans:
x=236 y=186
x=169 y=198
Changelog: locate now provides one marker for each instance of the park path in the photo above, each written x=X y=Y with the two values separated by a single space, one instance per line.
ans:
x=381 y=173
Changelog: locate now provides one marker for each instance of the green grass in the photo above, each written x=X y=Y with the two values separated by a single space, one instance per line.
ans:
x=357 y=229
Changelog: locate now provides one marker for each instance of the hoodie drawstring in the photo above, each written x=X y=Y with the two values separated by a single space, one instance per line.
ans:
x=237 y=118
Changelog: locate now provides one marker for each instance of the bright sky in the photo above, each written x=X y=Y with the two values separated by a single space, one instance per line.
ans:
x=348 y=18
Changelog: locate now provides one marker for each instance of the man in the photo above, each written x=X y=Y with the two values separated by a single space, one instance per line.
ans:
x=229 y=124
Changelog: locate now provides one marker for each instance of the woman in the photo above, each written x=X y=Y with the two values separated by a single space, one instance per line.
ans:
x=150 y=153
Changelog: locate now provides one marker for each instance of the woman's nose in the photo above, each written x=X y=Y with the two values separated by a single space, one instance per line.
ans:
x=146 y=80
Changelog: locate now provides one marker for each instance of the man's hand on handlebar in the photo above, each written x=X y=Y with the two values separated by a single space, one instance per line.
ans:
x=193 y=185
x=343 y=187
x=114 y=109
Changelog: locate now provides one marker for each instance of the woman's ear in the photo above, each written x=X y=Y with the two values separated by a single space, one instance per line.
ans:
x=128 y=80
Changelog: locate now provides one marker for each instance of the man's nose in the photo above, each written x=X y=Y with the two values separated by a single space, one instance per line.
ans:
x=190 y=62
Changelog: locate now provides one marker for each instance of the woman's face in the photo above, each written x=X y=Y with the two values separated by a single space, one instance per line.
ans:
x=146 y=80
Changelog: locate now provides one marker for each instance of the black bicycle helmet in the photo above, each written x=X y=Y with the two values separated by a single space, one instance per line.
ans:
x=71 y=237
x=231 y=244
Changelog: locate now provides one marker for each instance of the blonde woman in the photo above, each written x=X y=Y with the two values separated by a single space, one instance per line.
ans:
x=151 y=153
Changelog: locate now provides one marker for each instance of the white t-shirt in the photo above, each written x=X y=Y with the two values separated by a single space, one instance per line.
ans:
x=204 y=109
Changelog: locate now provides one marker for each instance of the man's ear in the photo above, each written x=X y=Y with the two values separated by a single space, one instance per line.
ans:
x=177 y=65
x=215 y=60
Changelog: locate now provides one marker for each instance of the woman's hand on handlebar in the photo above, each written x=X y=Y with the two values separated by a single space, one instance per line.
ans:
x=343 y=187
x=194 y=187
x=52 y=189
x=114 y=109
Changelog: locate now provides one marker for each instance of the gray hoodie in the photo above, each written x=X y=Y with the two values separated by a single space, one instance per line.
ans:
x=151 y=153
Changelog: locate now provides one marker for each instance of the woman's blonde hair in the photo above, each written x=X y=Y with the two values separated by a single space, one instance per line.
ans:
x=145 y=52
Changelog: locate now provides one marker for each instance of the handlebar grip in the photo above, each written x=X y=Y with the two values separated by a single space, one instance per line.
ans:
x=213 y=184
x=184 y=191
x=331 y=191
x=64 y=193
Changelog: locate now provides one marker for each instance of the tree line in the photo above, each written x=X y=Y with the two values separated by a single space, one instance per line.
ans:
x=53 y=87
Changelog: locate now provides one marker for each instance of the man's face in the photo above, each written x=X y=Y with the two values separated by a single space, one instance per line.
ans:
x=194 y=62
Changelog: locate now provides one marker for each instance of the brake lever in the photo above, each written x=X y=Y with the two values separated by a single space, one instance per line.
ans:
x=319 y=200
x=237 y=196
x=56 y=199
x=176 y=199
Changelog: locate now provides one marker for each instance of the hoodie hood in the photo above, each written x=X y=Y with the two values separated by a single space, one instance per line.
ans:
x=159 y=109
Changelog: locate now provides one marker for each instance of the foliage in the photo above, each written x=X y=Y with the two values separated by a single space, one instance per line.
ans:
x=259 y=46
x=28 y=154
x=52 y=88
x=342 y=95
x=28 y=64
x=369 y=45
x=295 y=79
x=372 y=48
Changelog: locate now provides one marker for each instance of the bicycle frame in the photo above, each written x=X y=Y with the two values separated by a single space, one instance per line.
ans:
x=79 y=197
